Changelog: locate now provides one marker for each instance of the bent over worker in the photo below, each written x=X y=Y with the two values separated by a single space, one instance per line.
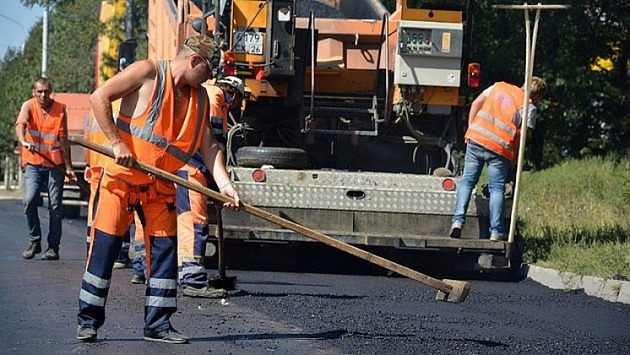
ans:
x=42 y=130
x=192 y=207
x=492 y=138
x=161 y=123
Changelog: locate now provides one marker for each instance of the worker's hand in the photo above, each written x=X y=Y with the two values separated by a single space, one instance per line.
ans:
x=123 y=155
x=70 y=174
x=30 y=147
x=230 y=191
x=87 y=174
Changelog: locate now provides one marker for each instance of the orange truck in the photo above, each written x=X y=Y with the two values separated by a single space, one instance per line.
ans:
x=352 y=121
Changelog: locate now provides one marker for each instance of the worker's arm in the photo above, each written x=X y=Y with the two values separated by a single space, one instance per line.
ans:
x=476 y=106
x=65 y=146
x=129 y=81
x=213 y=159
x=20 y=126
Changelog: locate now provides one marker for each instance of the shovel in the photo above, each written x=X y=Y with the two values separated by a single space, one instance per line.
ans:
x=448 y=290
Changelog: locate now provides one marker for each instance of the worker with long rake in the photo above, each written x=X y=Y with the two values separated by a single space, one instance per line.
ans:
x=161 y=123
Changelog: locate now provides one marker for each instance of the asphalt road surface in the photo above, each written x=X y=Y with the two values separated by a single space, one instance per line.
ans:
x=296 y=313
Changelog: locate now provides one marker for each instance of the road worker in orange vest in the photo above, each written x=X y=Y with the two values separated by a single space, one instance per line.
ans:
x=492 y=138
x=161 y=122
x=41 y=128
x=192 y=212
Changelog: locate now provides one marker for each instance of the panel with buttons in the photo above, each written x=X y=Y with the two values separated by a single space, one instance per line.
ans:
x=415 y=41
x=428 y=53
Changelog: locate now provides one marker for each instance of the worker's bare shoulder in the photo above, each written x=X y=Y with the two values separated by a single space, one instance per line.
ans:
x=26 y=105
x=138 y=73
x=134 y=78
x=24 y=111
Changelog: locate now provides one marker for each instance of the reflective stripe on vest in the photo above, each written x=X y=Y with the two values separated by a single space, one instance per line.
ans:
x=493 y=127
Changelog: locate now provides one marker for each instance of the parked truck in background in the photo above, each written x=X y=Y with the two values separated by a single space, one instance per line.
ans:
x=353 y=118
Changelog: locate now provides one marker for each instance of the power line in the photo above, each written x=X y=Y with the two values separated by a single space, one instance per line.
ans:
x=19 y=24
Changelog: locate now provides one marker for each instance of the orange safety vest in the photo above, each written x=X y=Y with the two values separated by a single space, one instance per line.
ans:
x=95 y=135
x=153 y=138
x=219 y=109
x=44 y=134
x=493 y=127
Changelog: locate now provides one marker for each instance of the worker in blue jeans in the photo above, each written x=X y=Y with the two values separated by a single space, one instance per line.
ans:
x=492 y=138
x=42 y=131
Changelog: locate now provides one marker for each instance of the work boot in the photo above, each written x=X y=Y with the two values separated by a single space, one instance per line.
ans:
x=138 y=279
x=33 y=248
x=86 y=333
x=456 y=230
x=169 y=335
x=497 y=237
x=51 y=254
x=204 y=292
x=121 y=265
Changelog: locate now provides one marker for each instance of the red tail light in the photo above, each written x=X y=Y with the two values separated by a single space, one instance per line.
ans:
x=259 y=73
x=258 y=175
x=448 y=184
x=229 y=67
x=474 y=70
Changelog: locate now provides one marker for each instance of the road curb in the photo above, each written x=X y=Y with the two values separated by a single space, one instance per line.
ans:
x=607 y=289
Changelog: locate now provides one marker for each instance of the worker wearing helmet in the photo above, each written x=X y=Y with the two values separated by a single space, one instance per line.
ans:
x=192 y=213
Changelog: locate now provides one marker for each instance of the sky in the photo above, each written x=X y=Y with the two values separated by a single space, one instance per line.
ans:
x=13 y=34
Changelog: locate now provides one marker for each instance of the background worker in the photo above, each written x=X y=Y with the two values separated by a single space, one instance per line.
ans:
x=42 y=126
x=192 y=207
x=492 y=138
x=161 y=123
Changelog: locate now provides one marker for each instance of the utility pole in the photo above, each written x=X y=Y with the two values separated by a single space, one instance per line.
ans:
x=129 y=19
x=127 y=48
x=45 y=40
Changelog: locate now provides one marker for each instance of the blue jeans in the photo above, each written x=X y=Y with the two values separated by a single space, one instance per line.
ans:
x=36 y=177
x=498 y=170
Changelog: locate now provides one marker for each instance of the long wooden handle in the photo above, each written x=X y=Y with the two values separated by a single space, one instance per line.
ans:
x=375 y=259
x=220 y=244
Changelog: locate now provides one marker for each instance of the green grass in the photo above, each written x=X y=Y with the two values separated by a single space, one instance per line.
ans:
x=576 y=217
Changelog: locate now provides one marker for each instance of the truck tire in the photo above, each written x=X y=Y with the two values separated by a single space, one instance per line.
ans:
x=282 y=158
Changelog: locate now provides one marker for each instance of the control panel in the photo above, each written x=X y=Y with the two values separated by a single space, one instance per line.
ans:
x=428 y=53
x=415 y=41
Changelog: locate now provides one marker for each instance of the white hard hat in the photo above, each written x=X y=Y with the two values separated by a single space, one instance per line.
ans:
x=234 y=82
